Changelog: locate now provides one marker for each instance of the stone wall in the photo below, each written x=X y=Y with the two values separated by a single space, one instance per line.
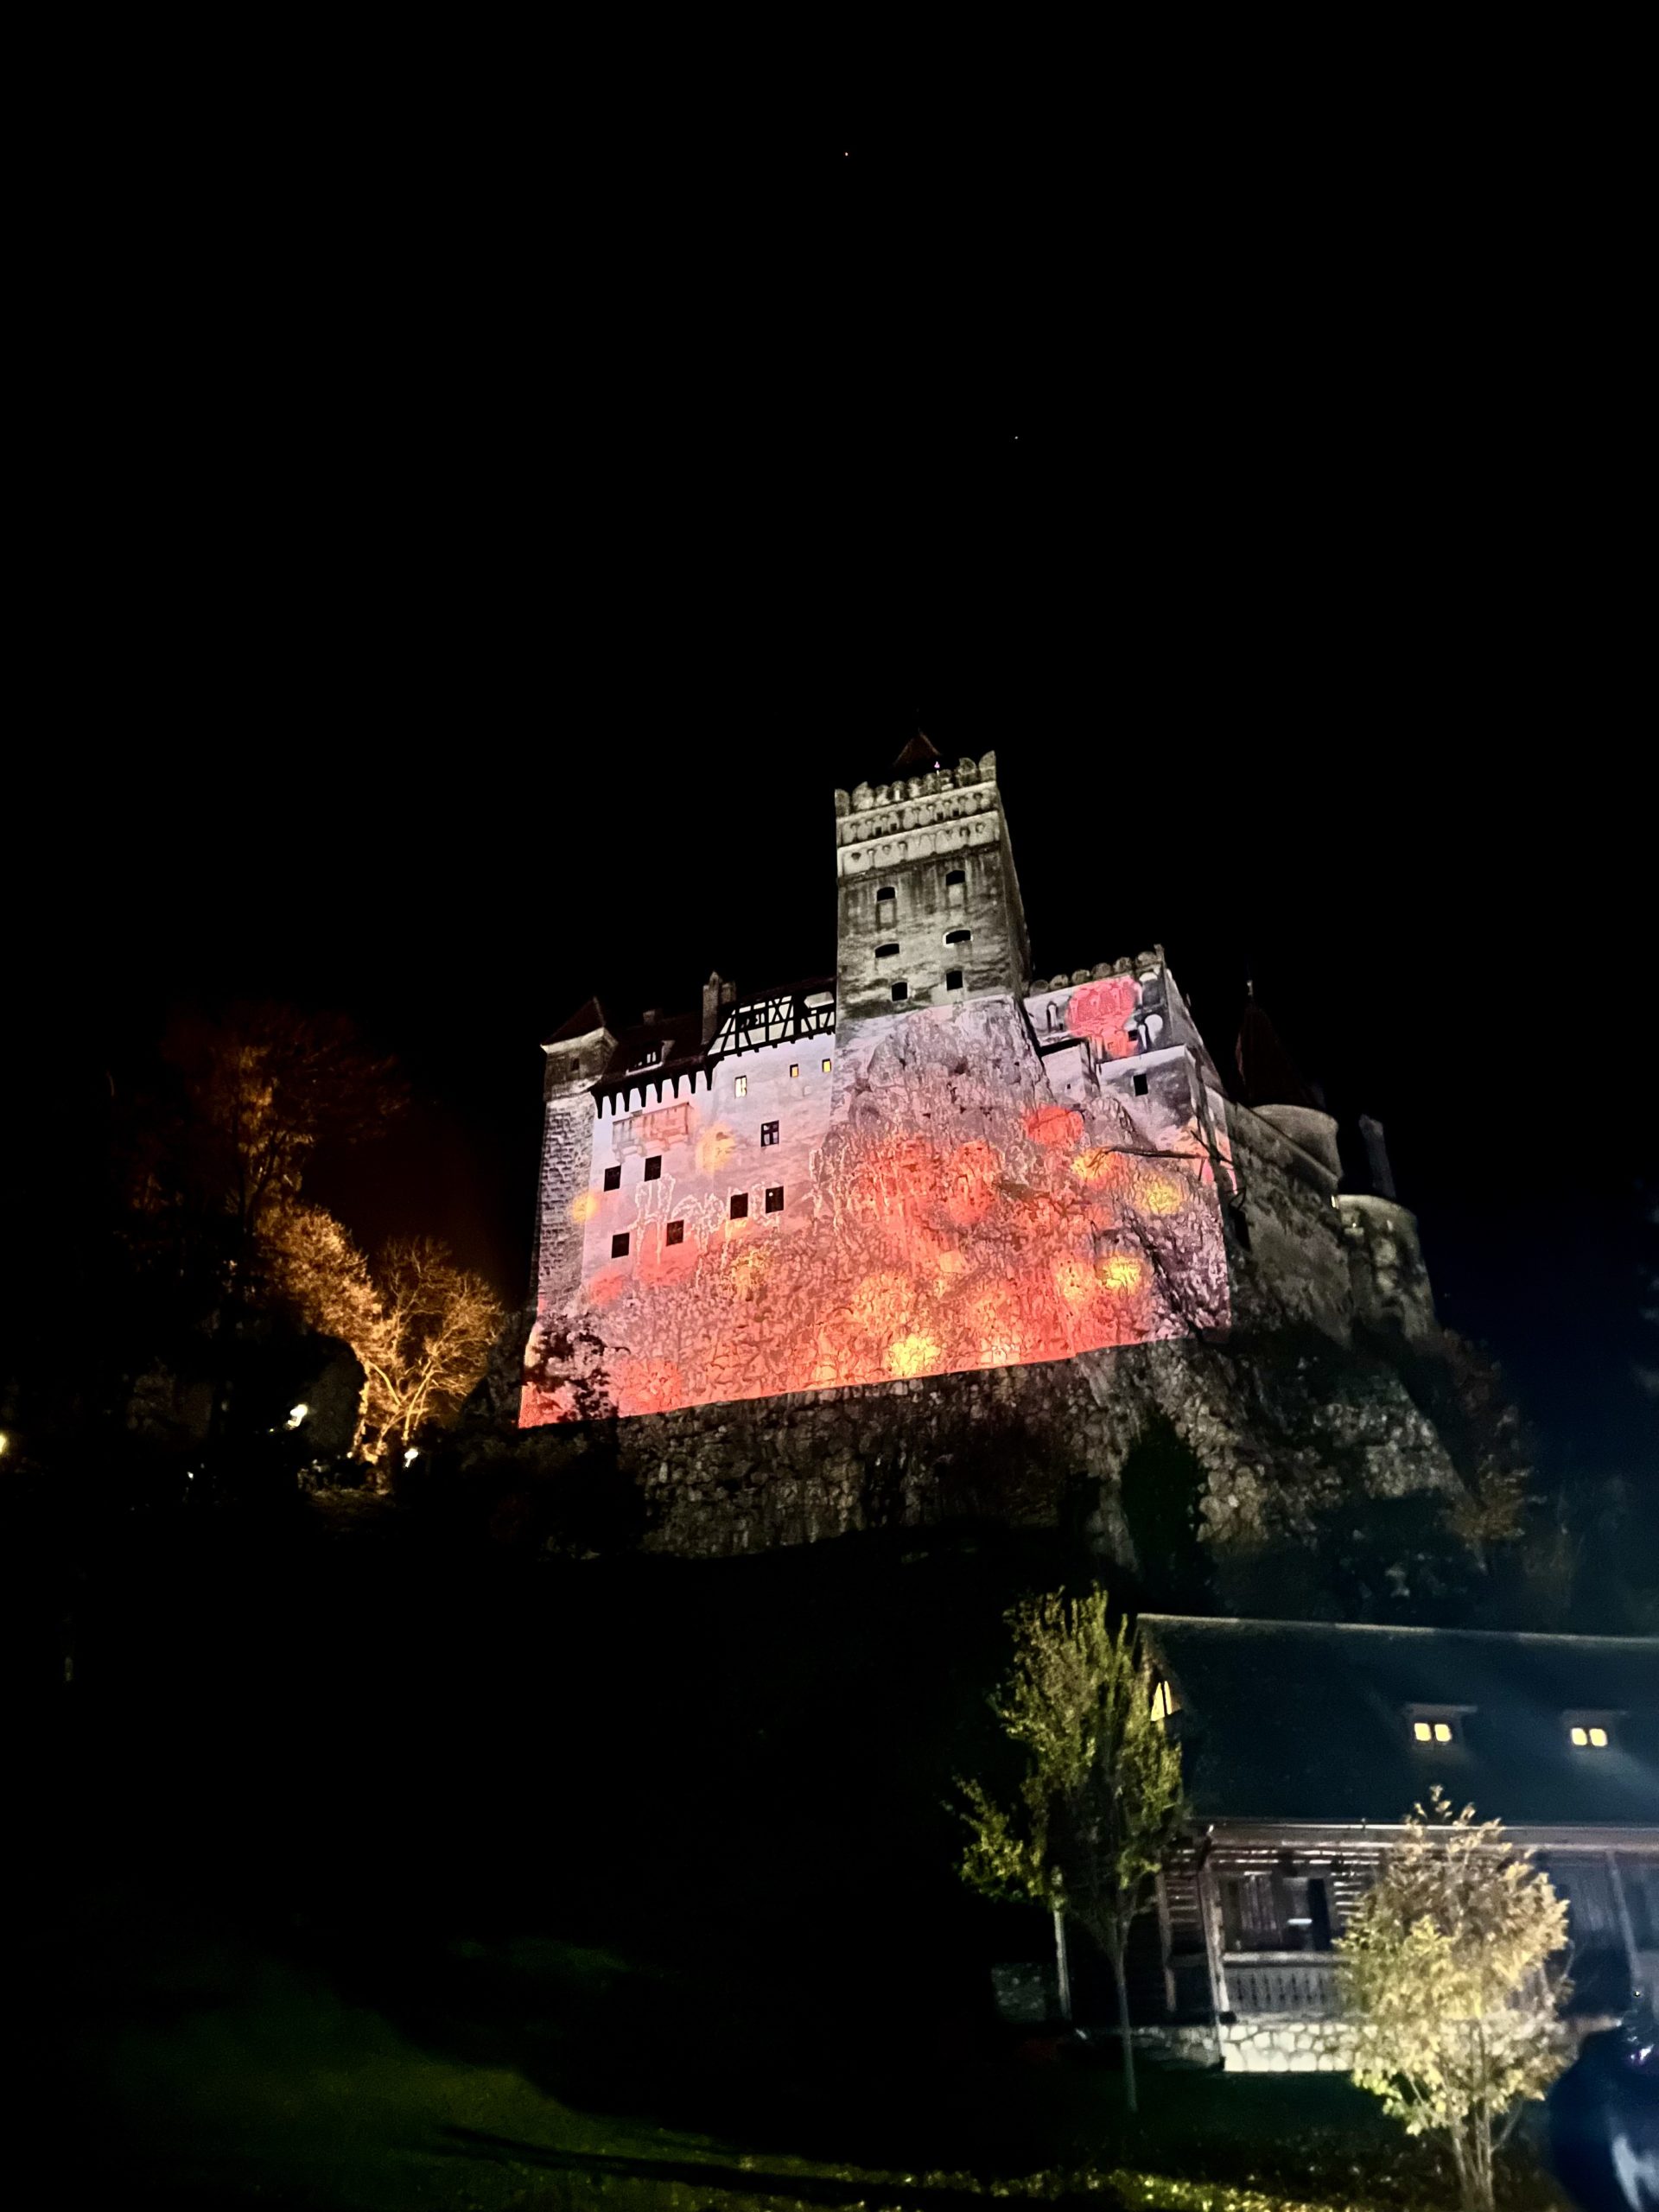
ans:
x=1277 y=2043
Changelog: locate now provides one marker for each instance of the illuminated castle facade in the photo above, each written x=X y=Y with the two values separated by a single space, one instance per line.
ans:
x=928 y=1165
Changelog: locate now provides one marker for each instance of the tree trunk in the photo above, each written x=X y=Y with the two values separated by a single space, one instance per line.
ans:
x=1062 y=1964
x=1122 y=1980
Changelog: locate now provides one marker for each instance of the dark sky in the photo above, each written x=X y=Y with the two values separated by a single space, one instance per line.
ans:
x=470 y=582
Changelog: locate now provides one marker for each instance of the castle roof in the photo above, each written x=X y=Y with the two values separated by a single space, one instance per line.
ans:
x=588 y=1017
x=918 y=757
x=1266 y=1074
x=1312 y=1720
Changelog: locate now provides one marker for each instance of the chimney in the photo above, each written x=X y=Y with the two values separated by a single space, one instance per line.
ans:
x=1376 y=1154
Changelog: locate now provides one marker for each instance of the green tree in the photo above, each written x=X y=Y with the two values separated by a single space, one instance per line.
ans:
x=1444 y=1970
x=1100 y=1802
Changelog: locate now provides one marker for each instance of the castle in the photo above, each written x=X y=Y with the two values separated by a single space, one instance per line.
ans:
x=932 y=1177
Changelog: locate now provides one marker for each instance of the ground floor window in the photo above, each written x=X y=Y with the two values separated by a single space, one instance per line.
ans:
x=1276 y=1912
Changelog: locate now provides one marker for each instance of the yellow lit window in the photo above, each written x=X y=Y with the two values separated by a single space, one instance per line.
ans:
x=740 y=1088
x=1580 y=1737
x=794 y=1070
x=1162 y=1704
x=1422 y=1732
x=1588 y=1736
x=826 y=1067
x=1432 y=1731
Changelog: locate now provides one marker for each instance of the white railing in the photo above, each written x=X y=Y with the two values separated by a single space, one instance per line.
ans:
x=1298 y=1982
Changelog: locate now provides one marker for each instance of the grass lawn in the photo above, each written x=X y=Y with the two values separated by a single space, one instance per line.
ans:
x=206 y=2070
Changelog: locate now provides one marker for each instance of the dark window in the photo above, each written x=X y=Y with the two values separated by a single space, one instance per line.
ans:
x=959 y=936
x=1138 y=1083
x=901 y=990
x=675 y=1233
x=1276 y=1912
x=775 y=1199
x=613 y=1178
x=957 y=875
x=887 y=892
x=887 y=951
x=740 y=1205
x=654 y=1168
x=1055 y=1019
x=620 y=1245
x=768 y=1132
x=953 y=979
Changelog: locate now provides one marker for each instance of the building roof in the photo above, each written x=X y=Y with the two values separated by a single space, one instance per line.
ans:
x=918 y=757
x=588 y=1017
x=1302 y=1720
x=1266 y=1074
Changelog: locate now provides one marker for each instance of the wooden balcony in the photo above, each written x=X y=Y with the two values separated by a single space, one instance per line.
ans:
x=1301 y=1983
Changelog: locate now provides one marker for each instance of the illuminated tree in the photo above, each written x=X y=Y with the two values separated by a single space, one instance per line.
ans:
x=1444 y=1970
x=1100 y=1800
x=419 y=1327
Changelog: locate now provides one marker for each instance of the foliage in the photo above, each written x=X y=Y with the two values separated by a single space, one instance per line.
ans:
x=420 y=1326
x=1445 y=1969
x=1100 y=1800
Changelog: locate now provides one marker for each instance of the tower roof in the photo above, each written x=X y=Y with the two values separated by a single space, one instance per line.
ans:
x=588 y=1017
x=918 y=757
x=1266 y=1074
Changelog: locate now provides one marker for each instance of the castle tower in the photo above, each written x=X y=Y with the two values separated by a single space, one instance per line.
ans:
x=577 y=1054
x=929 y=911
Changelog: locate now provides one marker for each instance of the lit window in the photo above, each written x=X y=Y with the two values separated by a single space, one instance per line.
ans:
x=613 y=1178
x=886 y=953
x=620 y=1246
x=953 y=979
x=1162 y=1704
x=654 y=1168
x=675 y=1233
x=740 y=1087
x=826 y=1067
x=740 y=1205
x=900 y=991
x=794 y=1070
x=1138 y=1083
x=775 y=1199
x=1590 y=1735
x=1434 y=1728
x=768 y=1132
x=958 y=936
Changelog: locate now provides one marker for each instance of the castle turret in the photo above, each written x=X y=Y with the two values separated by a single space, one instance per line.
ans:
x=929 y=910
x=577 y=1054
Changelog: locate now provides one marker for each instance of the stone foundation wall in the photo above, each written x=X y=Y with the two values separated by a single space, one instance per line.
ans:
x=1278 y=2044
x=1037 y=1445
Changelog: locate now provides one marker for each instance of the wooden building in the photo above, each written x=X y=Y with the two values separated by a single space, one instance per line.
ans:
x=1303 y=1744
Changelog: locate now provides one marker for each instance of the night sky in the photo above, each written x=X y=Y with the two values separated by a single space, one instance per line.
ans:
x=462 y=602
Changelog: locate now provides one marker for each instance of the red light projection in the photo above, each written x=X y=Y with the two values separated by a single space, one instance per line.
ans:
x=944 y=1212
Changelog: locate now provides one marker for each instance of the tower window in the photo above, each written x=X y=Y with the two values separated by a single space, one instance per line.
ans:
x=1589 y=1733
x=775 y=1199
x=1436 y=1728
x=826 y=1067
x=959 y=936
x=620 y=1245
x=613 y=1177
x=953 y=979
x=654 y=1168
x=740 y=1087
x=886 y=953
x=1053 y=1017
x=794 y=1070
x=768 y=1132
x=740 y=1205
x=675 y=1233
x=887 y=892
x=955 y=877
x=900 y=991
x=1138 y=1084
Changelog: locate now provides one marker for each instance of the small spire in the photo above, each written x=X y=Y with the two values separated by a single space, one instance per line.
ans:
x=918 y=758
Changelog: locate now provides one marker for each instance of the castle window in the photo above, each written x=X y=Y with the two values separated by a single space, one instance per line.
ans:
x=651 y=1057
x=740 y=1205
x=613 y=1177
x=953 y=979
x=887 y=892
x=620 y=1245
x=955 y=878
x=886 y=953
x=959 y=936
x=768 y=1132
x=654 y=1168
x=900 y=991
x=1053 y=1017
x=826 y=1067
x=740 y=1087
x=1138 y=1084
x=675 y=1233
x=775 y=1199
x=794 y=1070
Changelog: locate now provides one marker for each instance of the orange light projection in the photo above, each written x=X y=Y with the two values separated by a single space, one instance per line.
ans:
x=946 y=1212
